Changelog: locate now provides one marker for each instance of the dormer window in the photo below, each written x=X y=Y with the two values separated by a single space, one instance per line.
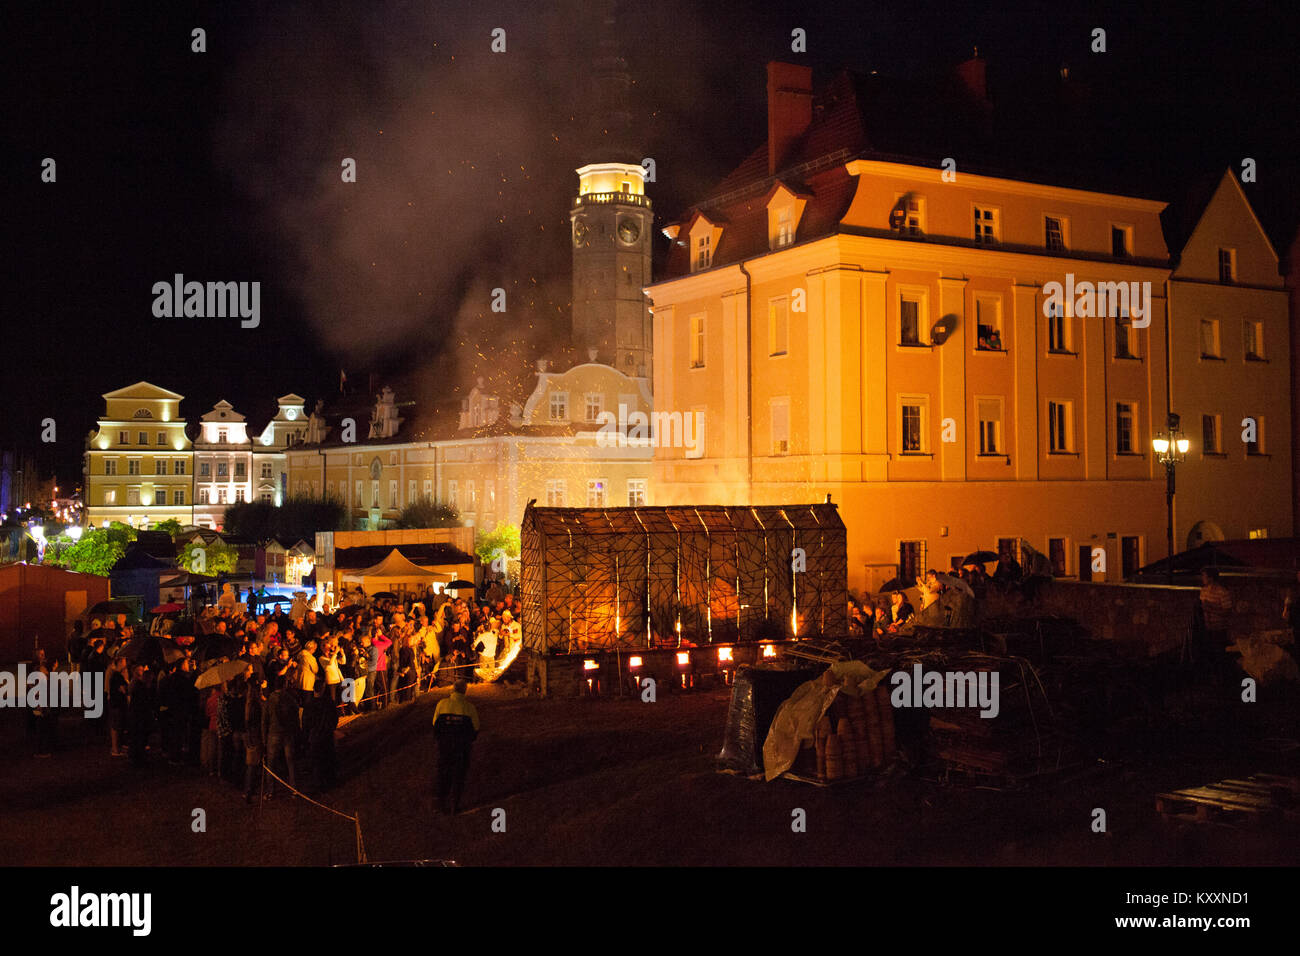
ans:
x=908 y=217
x=703 y=252
x=785 y=227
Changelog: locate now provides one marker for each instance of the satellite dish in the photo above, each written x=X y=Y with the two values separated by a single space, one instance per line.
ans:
x=942 y=329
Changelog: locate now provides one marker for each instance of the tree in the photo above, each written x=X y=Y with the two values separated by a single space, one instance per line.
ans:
x=426 y=513
x=96 y=553
x=215 y=558
x=503 y=539
x=171 y=526
x=297 y=517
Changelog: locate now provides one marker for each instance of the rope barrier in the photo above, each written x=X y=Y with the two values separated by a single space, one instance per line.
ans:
x=356 y=821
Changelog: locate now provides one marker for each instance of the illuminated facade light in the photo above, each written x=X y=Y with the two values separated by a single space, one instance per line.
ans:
x=724 y=654
x=590 y=665
x=634 y=662
x=683 y=658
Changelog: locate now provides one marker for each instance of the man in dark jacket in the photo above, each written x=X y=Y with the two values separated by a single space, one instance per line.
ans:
x=455 y=726
x=280 y=727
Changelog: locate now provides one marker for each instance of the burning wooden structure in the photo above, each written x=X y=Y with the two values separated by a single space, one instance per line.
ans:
x=625 y=578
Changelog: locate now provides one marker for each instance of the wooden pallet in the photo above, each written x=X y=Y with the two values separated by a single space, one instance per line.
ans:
x=1260 y=800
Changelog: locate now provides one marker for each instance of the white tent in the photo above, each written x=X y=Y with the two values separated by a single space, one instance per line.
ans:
x=394 y=571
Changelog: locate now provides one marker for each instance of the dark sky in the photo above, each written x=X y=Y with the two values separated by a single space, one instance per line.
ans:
x=225 y=165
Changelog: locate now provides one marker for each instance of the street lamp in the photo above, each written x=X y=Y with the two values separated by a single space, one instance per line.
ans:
x=1170 y=447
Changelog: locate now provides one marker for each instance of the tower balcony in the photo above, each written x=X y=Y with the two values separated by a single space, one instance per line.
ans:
x=627 y=199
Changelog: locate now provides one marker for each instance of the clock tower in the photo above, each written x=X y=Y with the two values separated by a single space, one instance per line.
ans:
x=612 y=222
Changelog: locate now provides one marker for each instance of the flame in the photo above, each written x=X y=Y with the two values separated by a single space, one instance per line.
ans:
x=769 y=650
x=634 y=662
x=724 y=654
x=683 y=658
x=590 y=665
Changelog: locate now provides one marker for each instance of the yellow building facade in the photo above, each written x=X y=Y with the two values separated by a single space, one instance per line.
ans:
x=138 y=462
x=906 y=365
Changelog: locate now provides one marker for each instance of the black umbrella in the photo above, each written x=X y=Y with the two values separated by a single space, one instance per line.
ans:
x=149 y=650
x=979 y=557
x=214 y=646
x=458 y=584
x=381 y=595
x=897 y=584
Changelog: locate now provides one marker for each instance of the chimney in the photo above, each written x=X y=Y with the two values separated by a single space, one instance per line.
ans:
x=789 y=110
x=973 y=76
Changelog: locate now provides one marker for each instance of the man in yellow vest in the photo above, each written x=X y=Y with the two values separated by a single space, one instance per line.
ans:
x=455 y=725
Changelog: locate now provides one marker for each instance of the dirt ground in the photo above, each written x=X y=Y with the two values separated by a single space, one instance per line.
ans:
x=600 y=782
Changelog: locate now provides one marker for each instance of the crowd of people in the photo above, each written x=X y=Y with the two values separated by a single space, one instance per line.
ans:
x=947 y=600
x=230 y=688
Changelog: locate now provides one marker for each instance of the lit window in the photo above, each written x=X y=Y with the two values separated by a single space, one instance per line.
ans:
x=595 y=493
x=595 y=404
x=909 y=320
x=703 y=252
x=636 y=488
x=785 y=226
x=986 y=225
x=988 y=324
x=778 y=325
x=989 y=412
x=559 y=406
x=912 y=425
x=453 y=494
x=555 y=493
x=110 y=496
x=697 y=341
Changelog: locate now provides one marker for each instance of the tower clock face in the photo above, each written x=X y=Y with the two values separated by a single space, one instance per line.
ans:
x=579 y=232
x=629 y=230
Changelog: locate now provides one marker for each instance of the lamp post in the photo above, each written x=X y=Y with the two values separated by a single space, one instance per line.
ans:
x=1170 y=447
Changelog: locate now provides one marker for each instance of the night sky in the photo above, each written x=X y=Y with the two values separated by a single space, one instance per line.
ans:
x=225 y=166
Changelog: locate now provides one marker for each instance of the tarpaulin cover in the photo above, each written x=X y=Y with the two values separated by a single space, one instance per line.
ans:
x=755 y=697
x=796 y=719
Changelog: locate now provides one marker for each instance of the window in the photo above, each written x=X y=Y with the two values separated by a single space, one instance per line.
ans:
x=133 y=496
x=359 y=502
x=1256 y=533
x=1130 y=551
x=374 y=493
x=1058 y=328
x=778 y=325
x=1059 y=427
x=144 y=438
x=204 y=495
x=221 y=496
x=178 y=467
x=1054 y=237
x=471 y=496
x=1125 y=422
x=1209 y=338
x=410 y=491
x=162 y=438
x=265 y=496
x=595 y=403
x=240 y=470
x=1210 y=435
x=785 y=227
x=911 y=560
x=559 y=406
x=1009 y=547
x=110 y=466
x=133 y=466
x=909 y=320
x=555 y=493
x=986 y=225
x=159 y=466
x=110 y=496
x=913 y=425
x=1121 y=246
x=1056 y=555
x=1227 y=265
x=266 y=469
x=239 y=494
x=223 y=469
x=1125 y=338
x=221 y=436
x=1256 y=447
x=453 y=494
x=124 y=438
x=989 y=416
x=779 y=411
x=703 y=252
x=428 y=489
x=912 y=222
x=489 y=495
x=595 y=493
x=636 y=492
x=988 y=324
x=697 y=341
x=205 y=469
x=1254 y=334
x=392 y=494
